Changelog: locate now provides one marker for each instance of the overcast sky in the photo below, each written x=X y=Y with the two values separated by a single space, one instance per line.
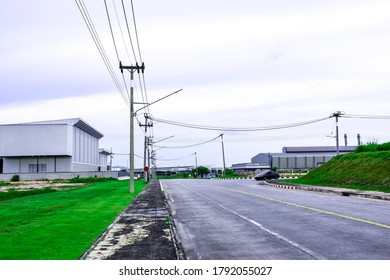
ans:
x=247 y=63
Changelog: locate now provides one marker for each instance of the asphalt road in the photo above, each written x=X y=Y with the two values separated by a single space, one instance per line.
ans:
x=247 y=220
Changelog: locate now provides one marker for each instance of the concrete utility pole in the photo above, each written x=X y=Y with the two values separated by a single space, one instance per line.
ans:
x=111 y=156
x=223 y=155
x=196 y=165
x=146 y=147
x=337 y=115
x=132 y=69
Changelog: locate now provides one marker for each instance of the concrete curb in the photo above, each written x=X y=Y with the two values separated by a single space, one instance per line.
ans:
x=175 y=236
x=252 y=178
x=339 y=191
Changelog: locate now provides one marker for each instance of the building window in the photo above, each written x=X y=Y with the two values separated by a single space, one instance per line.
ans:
x=37 y=168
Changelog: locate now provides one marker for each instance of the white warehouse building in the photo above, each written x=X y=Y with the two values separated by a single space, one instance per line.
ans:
x=69 y=145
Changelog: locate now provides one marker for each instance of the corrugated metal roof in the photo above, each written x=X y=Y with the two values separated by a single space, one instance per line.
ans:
x=78 y=122
x=317 y=149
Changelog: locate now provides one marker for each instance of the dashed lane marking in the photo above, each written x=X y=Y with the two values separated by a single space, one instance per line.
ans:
x=313 y=209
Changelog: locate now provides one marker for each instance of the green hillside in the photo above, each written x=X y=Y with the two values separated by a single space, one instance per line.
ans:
x=360 y=170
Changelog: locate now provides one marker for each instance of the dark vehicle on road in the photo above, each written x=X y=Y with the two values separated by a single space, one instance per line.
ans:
x=267 y=175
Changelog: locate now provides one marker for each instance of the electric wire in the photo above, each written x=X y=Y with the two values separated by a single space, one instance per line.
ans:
x=204 y=127
x=142 y=87
x=121 y=154
x=125 y=45
x=121 y=31
x=188 y=146
x=144 y=92
x=128 y=30
x=136 y=31
x=92 y=30
x=175 y=159
x=247 y=139
x=365 y=117
x=115 y=47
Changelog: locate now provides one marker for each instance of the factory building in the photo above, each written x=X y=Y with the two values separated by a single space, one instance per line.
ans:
x=69 y=145
x=300 y=157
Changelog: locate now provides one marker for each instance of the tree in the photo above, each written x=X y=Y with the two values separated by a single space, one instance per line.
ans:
x=201 y=171
x=229 y=172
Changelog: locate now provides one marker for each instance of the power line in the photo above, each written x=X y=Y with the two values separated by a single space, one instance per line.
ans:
x=128 y=31
x=136 y=31
x=204 y=127
x=365 y=117
x=113 y=40
x=246 y=139
x=119 y=154
x=92 y=30
x=112 y=33
x=140 y=56
x=120 y=29
x=176 y=158
x=142 y=83
x=188 y=146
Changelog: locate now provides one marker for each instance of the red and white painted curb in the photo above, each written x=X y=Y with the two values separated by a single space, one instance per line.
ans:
x=282 y=186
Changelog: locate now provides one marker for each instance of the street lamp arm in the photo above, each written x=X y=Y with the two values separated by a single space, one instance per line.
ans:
x=158 y=100
x=163 y=139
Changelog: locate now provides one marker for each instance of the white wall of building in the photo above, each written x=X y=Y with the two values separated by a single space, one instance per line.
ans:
x=29 y=165
x=34 y=140
x=85 y=147
x=69 y=145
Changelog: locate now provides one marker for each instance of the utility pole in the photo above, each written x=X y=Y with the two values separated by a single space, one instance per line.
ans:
x=149 y=150
x=111 y=156
x=345 y=140
x=132 y=69
x=337 y=115
x=196 y=166
x=146 y=147
x=223 y=155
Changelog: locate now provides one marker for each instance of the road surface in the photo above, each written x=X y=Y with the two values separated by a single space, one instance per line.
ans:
x=247 y=220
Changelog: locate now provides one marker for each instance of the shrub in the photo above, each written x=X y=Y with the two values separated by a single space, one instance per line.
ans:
x=373 y=147
x=15 y=178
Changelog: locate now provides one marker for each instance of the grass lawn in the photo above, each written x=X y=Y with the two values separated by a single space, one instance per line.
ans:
x=363 y=171
x=60 y=225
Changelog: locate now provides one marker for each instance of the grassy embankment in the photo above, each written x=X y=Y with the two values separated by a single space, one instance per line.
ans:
x=368 y=168
x=60 y=225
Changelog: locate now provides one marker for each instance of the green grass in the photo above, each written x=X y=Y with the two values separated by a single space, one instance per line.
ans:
x=362 y=170
x=13 y=193
x=373 y=147
x=60 y=225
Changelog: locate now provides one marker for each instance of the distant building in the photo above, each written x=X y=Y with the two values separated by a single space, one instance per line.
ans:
x=300 y=157
x=249 y=168
x=69 y=145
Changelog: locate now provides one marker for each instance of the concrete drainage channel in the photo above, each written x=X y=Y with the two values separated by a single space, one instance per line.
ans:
x=144 y=231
